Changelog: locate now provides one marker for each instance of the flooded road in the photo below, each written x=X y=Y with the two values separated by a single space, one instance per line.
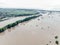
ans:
x=39 y=31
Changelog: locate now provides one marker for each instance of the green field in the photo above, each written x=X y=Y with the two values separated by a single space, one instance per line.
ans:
x=6 y=14
x=10 y=13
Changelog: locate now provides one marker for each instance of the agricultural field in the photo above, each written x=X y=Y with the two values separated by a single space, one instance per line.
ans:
x=10 y=13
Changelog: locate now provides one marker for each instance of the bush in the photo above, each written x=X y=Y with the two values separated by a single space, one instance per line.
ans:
x=29 y=18
x=8 y=26
x=13 y=24
x=2 y=29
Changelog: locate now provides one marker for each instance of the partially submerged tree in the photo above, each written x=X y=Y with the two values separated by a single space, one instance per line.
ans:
x=56 y=37
x=2 y=29
x=57 y=42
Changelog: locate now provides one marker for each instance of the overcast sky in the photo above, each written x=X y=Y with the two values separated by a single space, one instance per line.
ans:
x=35 y=4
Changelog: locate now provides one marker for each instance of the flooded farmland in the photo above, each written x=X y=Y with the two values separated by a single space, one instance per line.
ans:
x=43 y=30
x=38 y=31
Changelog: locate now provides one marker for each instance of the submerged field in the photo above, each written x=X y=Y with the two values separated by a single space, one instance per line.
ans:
x=12 y=17
x=39 y=29
x=10 y=13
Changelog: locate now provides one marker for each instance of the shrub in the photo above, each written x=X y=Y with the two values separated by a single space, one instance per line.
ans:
x=2 y=30
x=8 y=26
x=13 y=24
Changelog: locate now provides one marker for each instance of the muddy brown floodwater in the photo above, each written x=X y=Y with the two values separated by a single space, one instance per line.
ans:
x=34 y=32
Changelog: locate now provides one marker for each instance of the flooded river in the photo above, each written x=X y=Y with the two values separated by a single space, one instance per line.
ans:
x=39 y=31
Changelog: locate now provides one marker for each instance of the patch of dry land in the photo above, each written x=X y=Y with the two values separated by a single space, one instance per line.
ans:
x=44 y=30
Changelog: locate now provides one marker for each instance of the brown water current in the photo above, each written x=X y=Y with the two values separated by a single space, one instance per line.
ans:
x=39 y=31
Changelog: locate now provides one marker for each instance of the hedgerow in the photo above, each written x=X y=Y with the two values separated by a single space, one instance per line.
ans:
x=16 y=23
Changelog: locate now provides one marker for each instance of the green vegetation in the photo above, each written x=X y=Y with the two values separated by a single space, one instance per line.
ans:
x=29 y=18
x=46 y=44
x=8 y=13
x=16 y=23
x=56 y=42
x=2 y=29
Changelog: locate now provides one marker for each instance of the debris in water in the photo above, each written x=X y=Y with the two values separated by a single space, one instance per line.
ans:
x=36 y=25
x=38 y=19
x=9 y=30
x=50 y=41
x=42 y=17
x=48 y=27
x=42 y=28
x=46 y=44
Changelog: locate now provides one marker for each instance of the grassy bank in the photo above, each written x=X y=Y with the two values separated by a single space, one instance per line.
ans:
x=16 y=23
